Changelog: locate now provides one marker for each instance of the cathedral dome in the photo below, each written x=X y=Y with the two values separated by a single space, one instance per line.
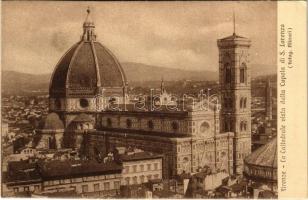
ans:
x=51 y=122
x=265 y=156
x=86 y=67
x=262 y=163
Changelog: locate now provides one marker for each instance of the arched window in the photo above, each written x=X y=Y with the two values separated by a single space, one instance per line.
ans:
x=226 y=102
x=129 y=123
x=244 y=105
x=175 y=126
x=58 y=104
x=245 y=126
x=227 y=73
x=243 y=73
x=142 y=178
x=230 y=103
x=127 y=180
x=109 y=122
x=204 y=128
x=150 y=124
x=135 y=180
x=227 y=125
x=241 y=103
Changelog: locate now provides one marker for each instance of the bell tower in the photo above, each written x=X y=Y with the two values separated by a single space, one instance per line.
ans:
x=234 y=80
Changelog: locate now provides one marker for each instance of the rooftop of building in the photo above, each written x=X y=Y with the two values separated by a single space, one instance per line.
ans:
x=164 y=194
x=264 y=156
x=140 y=155
x=21 y=172
x=233 y=36
x=59 y=194
x=77 y=168
x=128 y=132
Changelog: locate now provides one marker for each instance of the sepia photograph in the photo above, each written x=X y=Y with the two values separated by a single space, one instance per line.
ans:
x=139 y=99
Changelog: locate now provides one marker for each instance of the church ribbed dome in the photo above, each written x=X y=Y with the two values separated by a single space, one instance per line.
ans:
x=261 y=164
x=265 y=156
x=85 y=67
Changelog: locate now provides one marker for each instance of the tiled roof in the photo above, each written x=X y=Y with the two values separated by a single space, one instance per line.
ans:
x=267 y=195
x=128 y=132
x=164 y=193
x=22 y=172
x=139 y=156
x=55 y=169
x=265 y=156
x=238 y=187
x=232 y=37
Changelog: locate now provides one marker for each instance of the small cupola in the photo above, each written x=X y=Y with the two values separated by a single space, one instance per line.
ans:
x=88 y=28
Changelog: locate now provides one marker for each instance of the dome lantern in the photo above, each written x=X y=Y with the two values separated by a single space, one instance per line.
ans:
x=88 y=28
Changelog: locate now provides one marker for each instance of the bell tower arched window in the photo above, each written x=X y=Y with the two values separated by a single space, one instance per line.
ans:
x=243 y=73
x=228 y=127
x=227 y=73
x=244 y=103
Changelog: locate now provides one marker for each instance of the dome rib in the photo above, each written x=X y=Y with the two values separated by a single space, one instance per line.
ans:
x=60 y=72
x=116 y=62
x=98 y=83
x=70 y=65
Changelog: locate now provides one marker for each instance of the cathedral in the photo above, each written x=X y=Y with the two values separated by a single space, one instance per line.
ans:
x=90 y=111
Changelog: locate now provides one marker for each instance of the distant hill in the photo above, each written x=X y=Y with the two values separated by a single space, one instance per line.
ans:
x=262 y=70
x=20 y=83
x=137 y=72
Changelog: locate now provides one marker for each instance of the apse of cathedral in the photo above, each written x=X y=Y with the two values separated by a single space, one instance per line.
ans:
x=88 y=80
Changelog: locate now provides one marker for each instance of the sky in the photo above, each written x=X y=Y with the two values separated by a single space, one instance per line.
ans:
x=179 y=35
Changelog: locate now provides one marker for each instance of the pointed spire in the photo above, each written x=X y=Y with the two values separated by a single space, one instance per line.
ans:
x=162 y=85
x=88 y=18
x=233 y=23
x=88 y=28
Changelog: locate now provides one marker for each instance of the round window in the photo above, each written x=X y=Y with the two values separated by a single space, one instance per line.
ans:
x=204 y=128
x=84 y=103
x=109 y=122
